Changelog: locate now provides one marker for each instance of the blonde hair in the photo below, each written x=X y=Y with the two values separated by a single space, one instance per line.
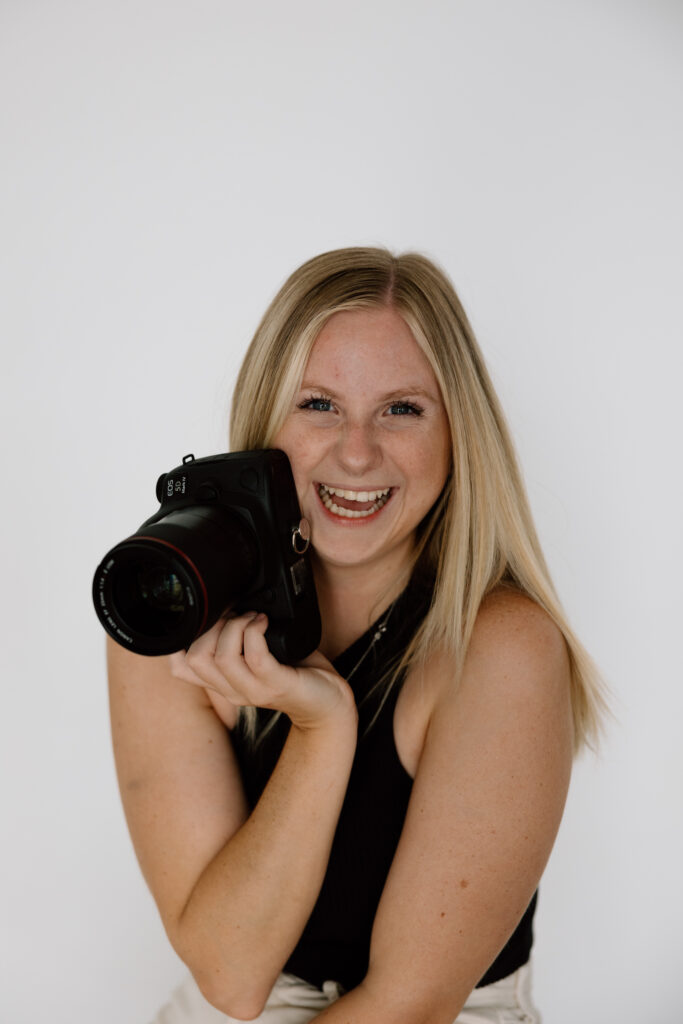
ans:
x=480 y=534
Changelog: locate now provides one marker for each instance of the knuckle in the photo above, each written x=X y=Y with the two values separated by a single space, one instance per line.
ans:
x=224 y=663
x=257 y=663
x=193 y=659
x=197 y=664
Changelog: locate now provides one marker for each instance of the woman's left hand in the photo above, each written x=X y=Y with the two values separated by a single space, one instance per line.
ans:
x=232 y=661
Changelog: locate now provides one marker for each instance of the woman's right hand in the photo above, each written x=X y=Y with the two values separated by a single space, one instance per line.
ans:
x=231 y=661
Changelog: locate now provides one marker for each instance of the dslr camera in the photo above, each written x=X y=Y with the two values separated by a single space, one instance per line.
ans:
x=229 y=535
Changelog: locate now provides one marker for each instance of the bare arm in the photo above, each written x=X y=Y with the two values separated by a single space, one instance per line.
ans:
x=234 y=890
x=485 y=808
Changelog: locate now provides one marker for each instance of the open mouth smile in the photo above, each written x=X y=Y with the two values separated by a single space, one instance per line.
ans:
x=349 y=504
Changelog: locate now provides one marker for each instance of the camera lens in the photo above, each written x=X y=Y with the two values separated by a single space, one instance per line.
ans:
x=160 y=589
x=149 y=596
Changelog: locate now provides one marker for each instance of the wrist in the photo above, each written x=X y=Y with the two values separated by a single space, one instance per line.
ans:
x=338 y=720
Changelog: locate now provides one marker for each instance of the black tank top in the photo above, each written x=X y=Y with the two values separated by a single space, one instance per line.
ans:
x=335 y=943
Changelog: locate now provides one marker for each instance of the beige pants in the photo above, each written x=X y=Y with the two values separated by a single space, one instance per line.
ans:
x=294 y=1001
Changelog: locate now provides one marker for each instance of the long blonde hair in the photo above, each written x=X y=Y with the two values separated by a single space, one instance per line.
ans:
x=480 y=533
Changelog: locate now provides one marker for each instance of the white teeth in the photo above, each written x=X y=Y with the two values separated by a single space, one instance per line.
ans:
x=356 y=495
x=379 y=498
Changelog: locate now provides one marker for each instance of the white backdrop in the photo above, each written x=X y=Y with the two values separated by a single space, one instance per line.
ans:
x=165 y=166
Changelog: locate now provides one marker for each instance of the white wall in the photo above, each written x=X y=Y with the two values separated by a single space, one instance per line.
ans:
x=165 y=165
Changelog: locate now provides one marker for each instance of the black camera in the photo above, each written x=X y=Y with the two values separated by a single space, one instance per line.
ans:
x=229 y=536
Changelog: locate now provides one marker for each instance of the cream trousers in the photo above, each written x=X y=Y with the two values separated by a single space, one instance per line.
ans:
x=294 y=1001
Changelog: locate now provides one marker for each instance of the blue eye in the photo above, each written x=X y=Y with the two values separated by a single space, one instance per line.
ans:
x=404 y=409
x=317 y=404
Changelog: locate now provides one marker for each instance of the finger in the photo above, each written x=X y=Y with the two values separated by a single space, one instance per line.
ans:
x=229 y=651
x=180 y=669
x=218 y=674
x=256 y=653
x=257 y=676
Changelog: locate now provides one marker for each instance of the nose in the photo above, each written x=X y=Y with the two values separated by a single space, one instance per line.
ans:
x=358 y=450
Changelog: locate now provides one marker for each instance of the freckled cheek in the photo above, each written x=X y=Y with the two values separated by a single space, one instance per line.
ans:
x=428 y=469
x=423 y=462
x=303 y=459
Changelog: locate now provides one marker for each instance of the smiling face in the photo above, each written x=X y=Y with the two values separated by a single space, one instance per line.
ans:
x=368 y=439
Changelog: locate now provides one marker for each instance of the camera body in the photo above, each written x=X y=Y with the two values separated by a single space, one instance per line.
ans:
x=228 y=536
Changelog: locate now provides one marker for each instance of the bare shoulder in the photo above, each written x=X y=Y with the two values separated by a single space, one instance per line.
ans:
x=517 y=665
x=516 y=669
x=514 y=633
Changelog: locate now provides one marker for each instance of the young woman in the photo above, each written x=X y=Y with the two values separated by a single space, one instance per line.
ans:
x=359 y=838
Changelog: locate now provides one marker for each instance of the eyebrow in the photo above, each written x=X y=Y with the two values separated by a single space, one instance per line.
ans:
x=411 y=390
